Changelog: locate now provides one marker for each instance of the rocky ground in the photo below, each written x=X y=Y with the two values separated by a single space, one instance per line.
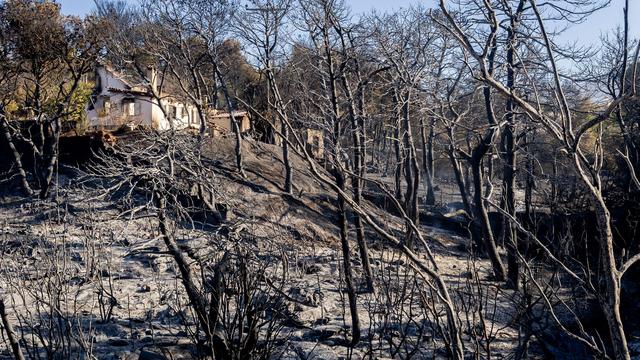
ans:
x=106 y=278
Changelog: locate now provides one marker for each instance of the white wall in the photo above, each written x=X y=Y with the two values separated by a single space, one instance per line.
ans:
x=149 y=112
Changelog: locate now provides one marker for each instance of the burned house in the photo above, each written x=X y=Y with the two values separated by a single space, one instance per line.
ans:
x=121 y=99
x=221 y=122
x=314 y=142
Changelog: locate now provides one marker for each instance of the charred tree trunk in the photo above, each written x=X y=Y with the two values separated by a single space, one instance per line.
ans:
x=554 y=184
x=398 y=150
x=412 y=170
x=509 y=156
x=198 y=301
x=468 y=179
x=630 y=147
x=49 y=157
x=272 y=87
x=610 y=297
x=481 y=216
x=459 y=172
x=529 y=180
x=338 y=173
x=234 y=123
x=8 y=328
x=346 y=259
x=17 y=159
x=357 y=131
x=288 y=171
x=609 y=276
x=482 y=221
x=284 y=130
x=361 y=239
x=427 y=160
x=383 y=154
x=508 y=193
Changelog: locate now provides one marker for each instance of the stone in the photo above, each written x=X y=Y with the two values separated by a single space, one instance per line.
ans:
x=148 y=355
x=118 y=342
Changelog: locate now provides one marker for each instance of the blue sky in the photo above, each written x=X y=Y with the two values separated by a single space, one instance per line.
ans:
x=585 y=33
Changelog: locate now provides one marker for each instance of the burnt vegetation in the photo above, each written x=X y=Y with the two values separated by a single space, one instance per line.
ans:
x=289 y=179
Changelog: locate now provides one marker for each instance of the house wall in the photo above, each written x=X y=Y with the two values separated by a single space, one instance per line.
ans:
x=220 y=124
x=245 y=124
x=118 y=114
x=148 y=112
x=158 y=120
x=314 y=140
x=223 y=124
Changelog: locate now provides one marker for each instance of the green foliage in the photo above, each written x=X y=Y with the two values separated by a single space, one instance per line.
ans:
x=79 y=101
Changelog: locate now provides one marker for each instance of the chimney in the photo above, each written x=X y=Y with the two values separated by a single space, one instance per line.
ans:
x=152 y=76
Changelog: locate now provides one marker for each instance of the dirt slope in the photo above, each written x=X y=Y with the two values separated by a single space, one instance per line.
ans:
x=84 y=254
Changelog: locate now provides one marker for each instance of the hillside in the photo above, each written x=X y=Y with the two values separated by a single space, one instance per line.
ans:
x=118 y=292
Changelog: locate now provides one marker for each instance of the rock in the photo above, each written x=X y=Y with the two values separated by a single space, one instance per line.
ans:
x=323 y=333
x=319 y=335
x=312 y=269
x=309 y=267
x=466 y=275
x=462 y=247
x=329 y=343
x=118 y=342
x=292 y=320
x=427 y=338
x=148 y=355
x=302 y=295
